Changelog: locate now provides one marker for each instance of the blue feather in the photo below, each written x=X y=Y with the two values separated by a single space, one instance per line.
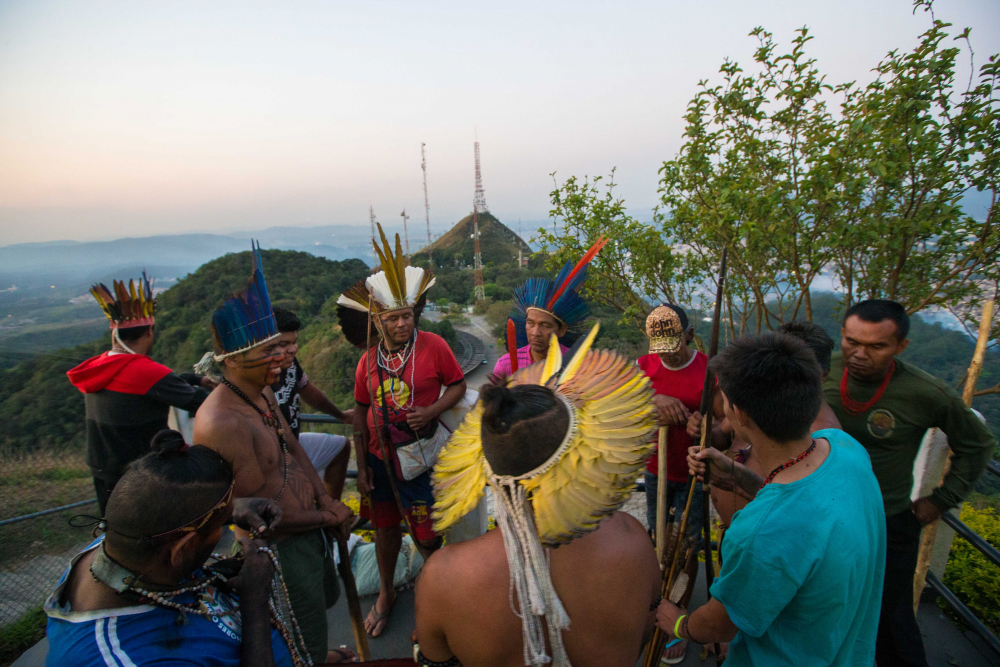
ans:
x=246 y=318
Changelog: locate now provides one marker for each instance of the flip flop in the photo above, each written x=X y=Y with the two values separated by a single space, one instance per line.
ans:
x=378 y=617
x=678 y=659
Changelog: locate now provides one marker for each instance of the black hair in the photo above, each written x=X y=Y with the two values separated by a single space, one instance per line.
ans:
x=165 y=489
x=522 y=426
x=681 y=315
x=286 y=320
x=877 y=310
x=130 y=334
x=775 y=379
x=815 y=337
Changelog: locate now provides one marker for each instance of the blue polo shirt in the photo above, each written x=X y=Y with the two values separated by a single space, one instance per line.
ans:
x=803 y=566
x=147 y=635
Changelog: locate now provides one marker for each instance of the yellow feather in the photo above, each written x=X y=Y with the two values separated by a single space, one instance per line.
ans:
x=574 y=364
x=553 y=360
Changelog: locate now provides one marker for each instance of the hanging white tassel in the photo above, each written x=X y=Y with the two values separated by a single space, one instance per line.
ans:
x=531 y=580
x=205 y=364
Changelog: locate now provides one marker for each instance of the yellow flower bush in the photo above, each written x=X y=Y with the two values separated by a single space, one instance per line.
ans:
x=975 y=580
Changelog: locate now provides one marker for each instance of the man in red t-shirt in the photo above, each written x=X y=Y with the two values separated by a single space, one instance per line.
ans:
x=398 y=397
x=677 y=372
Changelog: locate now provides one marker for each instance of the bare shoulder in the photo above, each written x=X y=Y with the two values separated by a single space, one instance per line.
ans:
x=455 y=564
x=219 y=424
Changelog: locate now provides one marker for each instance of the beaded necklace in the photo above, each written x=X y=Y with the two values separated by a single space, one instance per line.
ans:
x=269 y=419
x=386 y=360
x=789 y=464
x=854 y=407
x=105 y=570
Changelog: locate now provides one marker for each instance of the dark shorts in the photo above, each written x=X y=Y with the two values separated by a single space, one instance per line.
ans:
x=417 y=496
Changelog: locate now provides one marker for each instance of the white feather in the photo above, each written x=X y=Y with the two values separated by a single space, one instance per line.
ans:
x=414 y=275
x=379 y=287
x=352 y=304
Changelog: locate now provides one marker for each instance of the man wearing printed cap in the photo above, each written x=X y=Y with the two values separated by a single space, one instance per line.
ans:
x=677 y=373
x=127 y=395
x=241 y=421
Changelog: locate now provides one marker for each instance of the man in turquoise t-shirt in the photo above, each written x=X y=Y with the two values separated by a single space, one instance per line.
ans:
x=803 y=563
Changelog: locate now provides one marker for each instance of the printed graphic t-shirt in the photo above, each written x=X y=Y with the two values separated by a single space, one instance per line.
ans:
x=685 y=384
x=803 y=565
x=291 y=381
x=147 y=634
x=431 y=367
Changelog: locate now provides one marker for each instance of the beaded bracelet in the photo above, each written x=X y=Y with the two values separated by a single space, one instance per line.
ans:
x=677 y=626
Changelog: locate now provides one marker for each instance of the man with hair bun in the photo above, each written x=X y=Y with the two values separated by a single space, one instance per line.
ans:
x=142 y=594
x=802 y=565
x=888 y=405
x=564 y=578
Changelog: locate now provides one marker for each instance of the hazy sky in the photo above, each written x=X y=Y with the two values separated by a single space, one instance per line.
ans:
x=135 y=118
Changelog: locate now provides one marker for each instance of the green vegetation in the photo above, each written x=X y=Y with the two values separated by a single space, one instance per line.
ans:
x=799 y=178
x=456 y=247
x=16 y=638
x=969 y=575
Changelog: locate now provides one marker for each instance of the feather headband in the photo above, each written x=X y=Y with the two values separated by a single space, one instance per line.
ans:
x=557 y=297
x=588 y=477
x=129 y=308
x=245 y=320
x=393 y=287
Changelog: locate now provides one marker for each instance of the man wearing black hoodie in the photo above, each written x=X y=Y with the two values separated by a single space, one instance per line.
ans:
x=127 y=395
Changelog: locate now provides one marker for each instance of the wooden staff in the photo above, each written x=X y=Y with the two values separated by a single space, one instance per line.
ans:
x=661 y=499
x=968 y=393
x=353 y=601
x=654 y=649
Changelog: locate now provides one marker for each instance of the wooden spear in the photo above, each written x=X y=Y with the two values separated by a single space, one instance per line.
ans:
x=654 y=648
x=968 y=393
x=353 y=601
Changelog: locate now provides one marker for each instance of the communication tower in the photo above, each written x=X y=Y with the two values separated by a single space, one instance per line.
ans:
x=478 y=206
x=406 y=234
x=427 y=206
x=371 y=215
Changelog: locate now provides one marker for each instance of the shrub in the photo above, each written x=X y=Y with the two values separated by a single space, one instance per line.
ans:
x=969 y=575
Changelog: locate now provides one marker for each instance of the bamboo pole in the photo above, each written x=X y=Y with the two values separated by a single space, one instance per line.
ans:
x=353 y=601
x=968 y=393
x=661 y=499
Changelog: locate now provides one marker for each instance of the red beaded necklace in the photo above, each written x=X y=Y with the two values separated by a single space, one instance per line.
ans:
x=854 y=407
x=788 y=464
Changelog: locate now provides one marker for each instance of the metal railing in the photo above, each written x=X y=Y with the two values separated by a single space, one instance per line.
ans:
x=989 y=552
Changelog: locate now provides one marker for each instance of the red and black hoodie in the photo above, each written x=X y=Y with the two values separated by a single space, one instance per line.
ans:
x=128 y=398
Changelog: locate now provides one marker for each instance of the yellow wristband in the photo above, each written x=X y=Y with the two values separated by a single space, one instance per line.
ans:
x=677 y=626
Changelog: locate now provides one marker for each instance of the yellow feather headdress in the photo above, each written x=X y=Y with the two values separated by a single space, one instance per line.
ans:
x=395 y=286
x=588 y=477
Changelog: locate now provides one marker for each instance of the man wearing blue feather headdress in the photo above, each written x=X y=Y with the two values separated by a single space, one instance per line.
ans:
x=544 y=307
x=242 y=422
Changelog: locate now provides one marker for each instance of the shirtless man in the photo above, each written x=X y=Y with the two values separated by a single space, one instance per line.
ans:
x=469 y=594
x=736 y=474
x=241 y=421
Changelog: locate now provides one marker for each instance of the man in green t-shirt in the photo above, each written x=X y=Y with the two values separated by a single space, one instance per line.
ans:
x=888 y=405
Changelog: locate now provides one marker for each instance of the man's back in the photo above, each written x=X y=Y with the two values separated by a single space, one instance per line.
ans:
x=803 y=566
x=606 y=580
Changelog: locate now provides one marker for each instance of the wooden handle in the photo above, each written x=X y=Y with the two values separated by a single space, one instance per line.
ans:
x=353 y=601
x=661 y=499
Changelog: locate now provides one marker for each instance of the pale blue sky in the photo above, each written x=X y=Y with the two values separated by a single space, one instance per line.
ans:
x=134 y=118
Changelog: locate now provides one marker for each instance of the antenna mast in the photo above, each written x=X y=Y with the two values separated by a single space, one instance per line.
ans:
x=371 y=214
x=478 y=206
x=520 y=260
x=406 y=234
x=427 y=207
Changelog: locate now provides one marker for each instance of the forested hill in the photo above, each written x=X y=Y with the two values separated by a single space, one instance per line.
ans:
x=40 y=409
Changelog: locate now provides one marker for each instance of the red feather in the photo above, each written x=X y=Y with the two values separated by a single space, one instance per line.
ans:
x=584 y=261
x=512 y=345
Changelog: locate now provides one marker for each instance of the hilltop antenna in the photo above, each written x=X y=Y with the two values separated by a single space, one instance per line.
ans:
x=406 y=234
x=520 y=260
x=478 y=206
x=371 y=215
x=427 y=207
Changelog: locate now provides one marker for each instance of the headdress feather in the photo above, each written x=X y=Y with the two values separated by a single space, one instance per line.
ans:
x=127 y=307
x=246 y=319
